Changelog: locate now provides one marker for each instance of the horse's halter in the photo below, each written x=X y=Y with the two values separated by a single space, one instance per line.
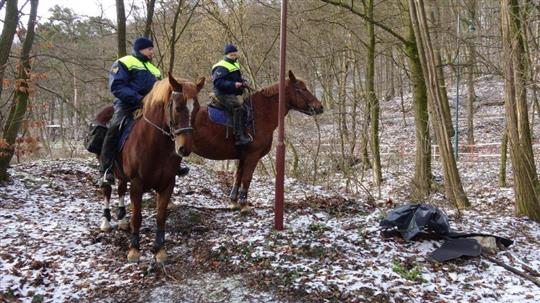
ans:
x=307 y=100
x=173 y=131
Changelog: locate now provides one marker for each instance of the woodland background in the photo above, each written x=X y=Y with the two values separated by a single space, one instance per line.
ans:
x=357 y=56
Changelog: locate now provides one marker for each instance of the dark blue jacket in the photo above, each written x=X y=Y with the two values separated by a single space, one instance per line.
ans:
x=131 y=78
x=224 y=80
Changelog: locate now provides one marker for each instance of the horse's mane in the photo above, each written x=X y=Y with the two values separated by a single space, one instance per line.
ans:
x=270 y=90
x=273 y=89
x=162 y=90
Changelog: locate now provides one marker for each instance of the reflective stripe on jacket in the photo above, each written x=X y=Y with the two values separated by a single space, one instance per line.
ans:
x=130 y=79
x=225 y=74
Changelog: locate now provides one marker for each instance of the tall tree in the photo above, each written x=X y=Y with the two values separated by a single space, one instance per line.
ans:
x=150 y=4
x=471 y=9
x=175 y=34
x=6 y=39
x=454 y=189
x=371 y=96
x=121 y=28
x=526 y=185
x=21 y=96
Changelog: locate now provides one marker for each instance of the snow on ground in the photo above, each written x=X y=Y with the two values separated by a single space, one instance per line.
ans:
x=331 y=250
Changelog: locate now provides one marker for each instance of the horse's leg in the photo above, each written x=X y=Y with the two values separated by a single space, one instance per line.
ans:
x=162 y=200
x=247 y=174
x=135 y=194
x=106 y=220
x=233 y=196
x=121 y=211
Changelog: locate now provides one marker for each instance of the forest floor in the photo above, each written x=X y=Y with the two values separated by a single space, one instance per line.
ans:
x=51 y=249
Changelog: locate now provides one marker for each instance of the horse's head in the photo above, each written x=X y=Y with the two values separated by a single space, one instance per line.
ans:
x=182 y=105
x=300 y=98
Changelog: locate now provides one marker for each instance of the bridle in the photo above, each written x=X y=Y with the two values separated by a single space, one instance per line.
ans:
x=173 y=131
x=307 y=100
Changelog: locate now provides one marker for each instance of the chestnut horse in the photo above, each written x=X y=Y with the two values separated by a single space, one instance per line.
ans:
x=151 y=154
x=210 y=140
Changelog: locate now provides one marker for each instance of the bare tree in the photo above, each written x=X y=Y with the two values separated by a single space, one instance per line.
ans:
x=121 y=28
x=526 y=185
x=371 y=96
x=150 y=4
x=22 y=92
x=6 y=39
x=422 y=178
x=454 y=189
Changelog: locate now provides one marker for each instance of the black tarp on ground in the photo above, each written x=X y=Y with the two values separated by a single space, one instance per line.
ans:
x=421 y=219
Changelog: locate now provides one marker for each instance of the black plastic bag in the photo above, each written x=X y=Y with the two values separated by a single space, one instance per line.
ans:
x=412 y=219
x=428 y=221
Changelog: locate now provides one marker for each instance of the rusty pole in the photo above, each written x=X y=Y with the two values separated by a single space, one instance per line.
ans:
x=280 y=149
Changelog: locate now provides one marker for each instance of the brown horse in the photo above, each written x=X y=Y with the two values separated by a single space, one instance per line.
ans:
x=151 y=154
x=210 y=140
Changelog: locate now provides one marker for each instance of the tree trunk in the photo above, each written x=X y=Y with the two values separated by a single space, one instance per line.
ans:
x=22 y=91
x=6 y=39
x=472 y=7
x=502 y=165
x=454 y=189
x=422 y=174
x=372 y=97
x=176 y=36
x=471 y=96
x=526 y=185
x=149 y=17
x=440 y=76
x=121 y=28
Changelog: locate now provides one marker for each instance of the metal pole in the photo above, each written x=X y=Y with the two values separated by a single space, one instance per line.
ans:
x=280 y=149
x=456 y=135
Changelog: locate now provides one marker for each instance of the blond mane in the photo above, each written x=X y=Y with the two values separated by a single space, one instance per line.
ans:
x=159 y=95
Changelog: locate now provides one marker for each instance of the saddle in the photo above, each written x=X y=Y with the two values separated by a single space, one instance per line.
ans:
x=220 y=115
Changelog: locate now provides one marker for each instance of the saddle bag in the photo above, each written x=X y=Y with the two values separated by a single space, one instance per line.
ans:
x=95 y=137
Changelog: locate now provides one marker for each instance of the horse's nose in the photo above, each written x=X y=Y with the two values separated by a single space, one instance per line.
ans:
x=183 y=151
x=319 y=110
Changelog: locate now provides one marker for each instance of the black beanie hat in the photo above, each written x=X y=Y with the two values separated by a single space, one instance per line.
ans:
x=229 y=48
x=142 y=43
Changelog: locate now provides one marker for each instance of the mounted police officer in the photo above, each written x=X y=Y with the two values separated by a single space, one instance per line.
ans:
x=228 y=88
x=130 y=79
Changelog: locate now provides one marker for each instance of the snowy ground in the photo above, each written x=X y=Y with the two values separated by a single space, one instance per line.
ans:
x=51 y=249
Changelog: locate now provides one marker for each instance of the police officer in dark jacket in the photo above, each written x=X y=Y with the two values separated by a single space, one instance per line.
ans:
x=130 y=79
x=228 y=88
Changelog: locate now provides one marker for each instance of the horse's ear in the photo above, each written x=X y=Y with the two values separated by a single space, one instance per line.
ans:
x=291 y=76
x=177 y=87
x=200 y=83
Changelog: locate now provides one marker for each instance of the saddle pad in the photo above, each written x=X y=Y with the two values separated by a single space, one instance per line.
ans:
x=125 y=130
x=219 y=116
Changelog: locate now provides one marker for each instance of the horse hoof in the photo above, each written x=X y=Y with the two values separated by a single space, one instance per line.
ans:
x=123 y=224
x=234 y=206
x=161 y=256
x=245 y=209
x=105 y=225
x=133 y=255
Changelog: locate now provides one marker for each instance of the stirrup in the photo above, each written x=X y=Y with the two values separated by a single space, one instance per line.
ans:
x=243 y=140
x=106 y=178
